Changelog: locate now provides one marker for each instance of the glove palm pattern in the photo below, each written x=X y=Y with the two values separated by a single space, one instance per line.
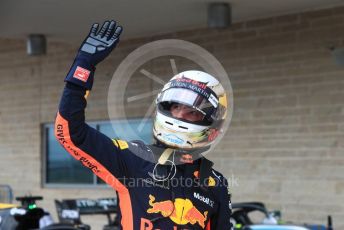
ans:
x=94 y=49
x=97 y=46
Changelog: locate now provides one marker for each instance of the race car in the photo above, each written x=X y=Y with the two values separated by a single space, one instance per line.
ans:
x=255 y=216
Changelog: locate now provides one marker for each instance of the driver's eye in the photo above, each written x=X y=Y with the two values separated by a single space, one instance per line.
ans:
x=194 y=113
x=176 y=107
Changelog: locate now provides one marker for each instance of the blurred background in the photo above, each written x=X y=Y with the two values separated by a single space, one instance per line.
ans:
x=285 y=60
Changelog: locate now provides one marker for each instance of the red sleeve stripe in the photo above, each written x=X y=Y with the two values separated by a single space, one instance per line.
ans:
x=63 y=136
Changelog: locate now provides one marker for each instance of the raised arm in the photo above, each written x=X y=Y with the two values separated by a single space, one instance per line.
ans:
x=93 y=149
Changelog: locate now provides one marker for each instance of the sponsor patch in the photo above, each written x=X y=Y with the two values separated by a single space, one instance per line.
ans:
x=204 y=199
x=81 y=74
x=173 y=138
x=122 y=144
x=181 y=211
x=213 y=100
x=211 y=182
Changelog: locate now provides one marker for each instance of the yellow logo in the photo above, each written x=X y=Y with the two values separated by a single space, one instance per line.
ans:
x=120 y=144
x=211 y=182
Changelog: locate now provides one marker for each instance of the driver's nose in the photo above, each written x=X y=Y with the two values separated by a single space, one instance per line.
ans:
x=179 y=114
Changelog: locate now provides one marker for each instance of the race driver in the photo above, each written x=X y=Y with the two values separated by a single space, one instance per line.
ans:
x=189 y=115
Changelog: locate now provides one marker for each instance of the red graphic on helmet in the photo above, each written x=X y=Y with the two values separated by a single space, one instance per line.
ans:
x=213 y=133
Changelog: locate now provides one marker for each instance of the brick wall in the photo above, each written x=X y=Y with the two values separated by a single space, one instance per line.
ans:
x=284 y=146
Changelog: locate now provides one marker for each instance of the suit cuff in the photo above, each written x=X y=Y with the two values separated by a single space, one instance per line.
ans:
x=81 y=73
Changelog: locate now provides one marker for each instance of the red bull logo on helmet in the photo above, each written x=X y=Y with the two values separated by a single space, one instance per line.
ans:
x=188 y=80
x=181 y=211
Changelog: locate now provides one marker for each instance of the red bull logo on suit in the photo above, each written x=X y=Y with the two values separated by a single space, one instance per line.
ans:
x=181 y=211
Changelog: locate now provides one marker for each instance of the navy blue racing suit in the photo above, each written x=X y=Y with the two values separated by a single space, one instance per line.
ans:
x=145 y=201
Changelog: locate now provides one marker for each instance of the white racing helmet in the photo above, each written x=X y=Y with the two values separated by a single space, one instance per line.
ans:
x=202 y=92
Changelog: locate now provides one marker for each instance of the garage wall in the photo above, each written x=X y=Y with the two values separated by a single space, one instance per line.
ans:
x=285 y=144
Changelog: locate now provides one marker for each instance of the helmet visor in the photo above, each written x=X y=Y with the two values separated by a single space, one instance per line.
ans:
x=190 y=98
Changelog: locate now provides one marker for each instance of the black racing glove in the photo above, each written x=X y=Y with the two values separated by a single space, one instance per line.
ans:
x=95 y=48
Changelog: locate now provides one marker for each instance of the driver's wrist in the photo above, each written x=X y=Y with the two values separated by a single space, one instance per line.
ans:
x=81 y=73
x=86 y=60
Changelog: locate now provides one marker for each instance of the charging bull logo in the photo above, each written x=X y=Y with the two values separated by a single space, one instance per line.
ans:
x=182 y=211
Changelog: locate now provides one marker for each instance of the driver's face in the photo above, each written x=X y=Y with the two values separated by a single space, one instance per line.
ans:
x=185 y=112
